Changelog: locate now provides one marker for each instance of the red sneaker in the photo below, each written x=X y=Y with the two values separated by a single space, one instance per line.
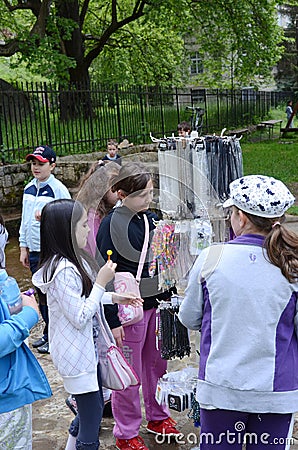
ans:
x=172 y=421
x=163 y=427
x=135 y=443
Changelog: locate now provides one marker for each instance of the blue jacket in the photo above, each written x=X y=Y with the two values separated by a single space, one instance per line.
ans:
x=36 y=196
x=22 y=380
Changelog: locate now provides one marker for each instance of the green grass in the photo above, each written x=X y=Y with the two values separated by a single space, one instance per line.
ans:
x=293 y=210
x=276 y=158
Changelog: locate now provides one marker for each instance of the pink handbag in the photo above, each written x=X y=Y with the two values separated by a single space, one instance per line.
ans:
x=116 y=372
x=126 y=282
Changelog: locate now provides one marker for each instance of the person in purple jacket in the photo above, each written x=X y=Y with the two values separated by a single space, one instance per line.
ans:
x=242 y=296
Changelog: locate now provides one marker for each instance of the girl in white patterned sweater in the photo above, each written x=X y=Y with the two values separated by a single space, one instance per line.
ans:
x=67 y=275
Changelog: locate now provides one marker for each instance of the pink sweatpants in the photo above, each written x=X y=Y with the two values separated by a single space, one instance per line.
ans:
x=140 y=350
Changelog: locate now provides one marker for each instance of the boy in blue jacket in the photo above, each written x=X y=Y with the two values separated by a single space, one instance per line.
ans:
x=44 y=188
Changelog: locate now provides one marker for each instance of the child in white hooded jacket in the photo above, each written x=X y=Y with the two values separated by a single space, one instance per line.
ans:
x=67 y=276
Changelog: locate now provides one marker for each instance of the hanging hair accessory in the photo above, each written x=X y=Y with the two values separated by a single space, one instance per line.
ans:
x=194 y=412
x=173 y=334
x=109 y=253
x=276 y=223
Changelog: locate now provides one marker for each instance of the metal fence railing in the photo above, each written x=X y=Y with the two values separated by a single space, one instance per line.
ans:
x=80 y=120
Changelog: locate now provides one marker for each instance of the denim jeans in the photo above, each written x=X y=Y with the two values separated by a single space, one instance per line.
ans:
x=43 y=307
x=86 y=425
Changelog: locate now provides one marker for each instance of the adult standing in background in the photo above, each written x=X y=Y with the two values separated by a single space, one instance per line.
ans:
x=289 y=112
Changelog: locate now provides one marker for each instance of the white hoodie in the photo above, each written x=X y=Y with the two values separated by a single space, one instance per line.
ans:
x=70 y=326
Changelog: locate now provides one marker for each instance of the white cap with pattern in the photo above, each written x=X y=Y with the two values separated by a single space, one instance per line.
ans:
x=260 y=195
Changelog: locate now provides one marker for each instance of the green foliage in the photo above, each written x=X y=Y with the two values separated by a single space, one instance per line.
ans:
x=286 y=75
x=143 y=43
x=48 y=61
x=238 y=44
x=27 y=179
x=43 y=54
x=148 y=51
x=12 y=69
x=147 y=56
x=293 y=210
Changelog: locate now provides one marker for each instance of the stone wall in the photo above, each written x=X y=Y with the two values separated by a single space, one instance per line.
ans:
x=69 y=170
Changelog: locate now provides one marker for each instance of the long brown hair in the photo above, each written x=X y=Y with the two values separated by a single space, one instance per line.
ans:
x=58 y=223
x=281 y=244
x=94 y=186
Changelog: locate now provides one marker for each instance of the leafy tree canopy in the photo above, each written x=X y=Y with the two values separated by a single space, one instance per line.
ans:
x=142 y=41
x=238 y=40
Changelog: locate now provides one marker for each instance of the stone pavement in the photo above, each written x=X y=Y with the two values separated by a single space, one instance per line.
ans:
x=51 y=417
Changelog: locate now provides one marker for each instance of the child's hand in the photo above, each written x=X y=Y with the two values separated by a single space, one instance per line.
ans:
x=24 y=256
x=119 y=335
x=37 y=215
x=106 y=273
x=127 y=298
x=29 y=300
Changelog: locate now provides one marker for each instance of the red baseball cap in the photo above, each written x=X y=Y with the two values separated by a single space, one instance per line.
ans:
x=44 y=154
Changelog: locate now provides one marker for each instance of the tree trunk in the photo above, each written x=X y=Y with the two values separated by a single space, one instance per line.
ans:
x=76 y=100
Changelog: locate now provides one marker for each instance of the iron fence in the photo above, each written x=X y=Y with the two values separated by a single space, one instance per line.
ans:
x=81 y=120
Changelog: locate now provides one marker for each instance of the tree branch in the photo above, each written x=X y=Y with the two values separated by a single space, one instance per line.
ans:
x=138 y=12
x=34 y=6
x=10 y=48
x=84 y=12
x=114 y=11
x=39 y=28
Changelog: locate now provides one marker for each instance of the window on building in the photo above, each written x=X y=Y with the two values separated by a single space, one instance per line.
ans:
x=196 y=64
